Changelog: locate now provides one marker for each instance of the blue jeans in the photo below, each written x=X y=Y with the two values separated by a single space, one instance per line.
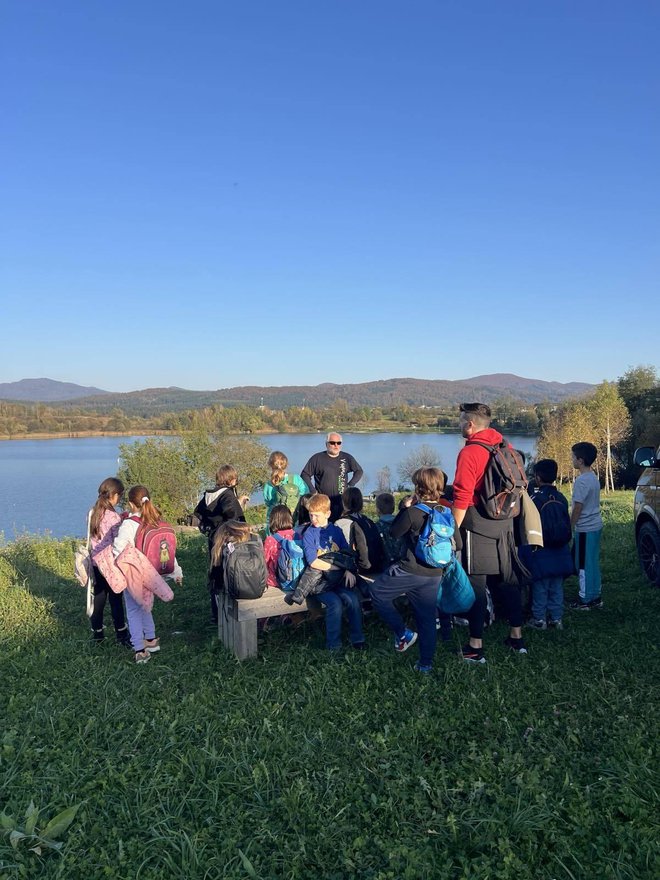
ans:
x=334 y=602
x=422 y=593
x=548 y=598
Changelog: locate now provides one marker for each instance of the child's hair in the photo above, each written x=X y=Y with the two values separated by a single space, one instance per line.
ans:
x=319 y=504
x=429 y=483
x=403 y=504
x=109 y=487
x=225 y=476
x=280 y=518
x=586 y=451
x=278 y=464
x=149 y=513
x=352 y=500
x=546 y=470
x=385 y=503
x=231 y=532
x=302 y=510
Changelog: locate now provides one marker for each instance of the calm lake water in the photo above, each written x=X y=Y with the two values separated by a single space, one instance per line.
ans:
x=47 y=486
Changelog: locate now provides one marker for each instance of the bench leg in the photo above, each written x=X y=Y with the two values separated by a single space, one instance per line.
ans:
x=238 y=636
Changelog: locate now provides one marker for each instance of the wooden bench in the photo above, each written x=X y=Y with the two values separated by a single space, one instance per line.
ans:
x=238 y=618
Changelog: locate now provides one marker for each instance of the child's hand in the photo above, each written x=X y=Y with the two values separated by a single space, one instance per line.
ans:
x=178 y=581
x=243 y=500
x=349 y=579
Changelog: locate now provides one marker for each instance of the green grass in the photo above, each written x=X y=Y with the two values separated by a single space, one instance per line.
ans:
x=298 y=766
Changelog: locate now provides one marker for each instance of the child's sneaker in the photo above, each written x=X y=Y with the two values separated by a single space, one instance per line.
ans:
x=516 y=645
x=152 y=645
x=425 y=670
x=472 y=655
x=579 y=605
x=407 y=639
x=98 y=635
x=536 y=624
x=142 y=656
x=555 y=624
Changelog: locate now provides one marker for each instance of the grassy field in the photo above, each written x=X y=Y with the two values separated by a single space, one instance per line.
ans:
x=296 y=765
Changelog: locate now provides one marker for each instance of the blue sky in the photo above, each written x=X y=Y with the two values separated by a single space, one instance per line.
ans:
x=221 y=193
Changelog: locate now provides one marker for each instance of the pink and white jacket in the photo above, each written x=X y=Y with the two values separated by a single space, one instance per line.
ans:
x=132 y=571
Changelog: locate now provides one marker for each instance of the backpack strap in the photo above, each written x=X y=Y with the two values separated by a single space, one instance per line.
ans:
x=424 y=507
x=277 y=537
x=487 y=446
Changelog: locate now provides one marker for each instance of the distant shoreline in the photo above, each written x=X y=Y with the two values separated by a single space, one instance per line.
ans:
x=82 y=435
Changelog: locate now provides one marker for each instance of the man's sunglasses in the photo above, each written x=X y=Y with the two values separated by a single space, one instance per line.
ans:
x=334 y=442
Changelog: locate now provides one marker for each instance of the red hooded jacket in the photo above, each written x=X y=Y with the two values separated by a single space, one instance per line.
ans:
x=470 y=467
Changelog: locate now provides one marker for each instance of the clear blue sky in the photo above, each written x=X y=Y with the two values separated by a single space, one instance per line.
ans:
x=212 y=193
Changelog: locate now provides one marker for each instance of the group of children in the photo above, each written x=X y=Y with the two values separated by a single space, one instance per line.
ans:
x=354 y=558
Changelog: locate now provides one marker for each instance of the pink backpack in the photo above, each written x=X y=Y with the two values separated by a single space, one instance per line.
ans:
x=158 y=544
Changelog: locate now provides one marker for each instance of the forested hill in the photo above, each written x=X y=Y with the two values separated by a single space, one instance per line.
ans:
x=384 y=393
x=45 y=390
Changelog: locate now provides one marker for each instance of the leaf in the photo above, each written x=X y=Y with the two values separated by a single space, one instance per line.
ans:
x=36 y=849
x=247 y=864
x=31 y=816
x=60 y=823
x=15 y=838
x=7 y=822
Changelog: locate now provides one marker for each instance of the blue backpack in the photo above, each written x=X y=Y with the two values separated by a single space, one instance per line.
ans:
x=434 y=545
x=290 y=562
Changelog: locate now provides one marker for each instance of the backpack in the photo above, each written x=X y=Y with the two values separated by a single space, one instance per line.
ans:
x=504 y=481
x=555 y=519
x=290 y=562
x=158 y=543
x=244 y=569
x=434 y=545
x=395 y=548
x=368 y=543
x=288 y=493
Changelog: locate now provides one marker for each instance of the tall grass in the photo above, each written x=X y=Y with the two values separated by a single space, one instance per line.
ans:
x=296 y=765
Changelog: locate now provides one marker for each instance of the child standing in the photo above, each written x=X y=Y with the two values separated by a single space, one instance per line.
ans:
x=218 y=506
x=103 y=526
x=140 y=621
x=283 y=488
x=323 y=537
x=588 y=525
x=550 y=564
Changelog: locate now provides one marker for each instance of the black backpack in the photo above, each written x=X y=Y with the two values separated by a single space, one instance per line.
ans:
x=368 y=543
x=504 y=481
x=555 y=519
x=244 y=572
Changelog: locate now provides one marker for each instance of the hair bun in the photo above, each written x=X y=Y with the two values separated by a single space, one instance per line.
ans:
x=146 y=498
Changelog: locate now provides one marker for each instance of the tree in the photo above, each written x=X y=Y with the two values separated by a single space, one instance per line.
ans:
x=423 y=456
x=384 y=478
x=611 y=426
x=176 y=471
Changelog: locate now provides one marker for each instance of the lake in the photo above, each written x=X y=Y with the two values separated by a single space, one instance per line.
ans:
x=47 y=486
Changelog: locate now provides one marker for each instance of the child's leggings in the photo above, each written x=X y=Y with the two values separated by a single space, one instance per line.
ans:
x=140 y=623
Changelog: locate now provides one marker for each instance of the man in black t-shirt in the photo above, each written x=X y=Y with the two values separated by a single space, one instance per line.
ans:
x=327 y=472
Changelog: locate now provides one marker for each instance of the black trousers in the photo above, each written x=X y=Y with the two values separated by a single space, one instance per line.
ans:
x=103 y=593
x=510 y=596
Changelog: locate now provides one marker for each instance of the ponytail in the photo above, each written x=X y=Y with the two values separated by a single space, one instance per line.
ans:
x=149 y=513
x=109 y=487
x=278 y=464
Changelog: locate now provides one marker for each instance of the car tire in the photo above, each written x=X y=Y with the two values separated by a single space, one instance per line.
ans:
x=648 y=550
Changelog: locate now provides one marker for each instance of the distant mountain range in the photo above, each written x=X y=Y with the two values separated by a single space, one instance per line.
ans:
x=387 y=392
x=45 y=390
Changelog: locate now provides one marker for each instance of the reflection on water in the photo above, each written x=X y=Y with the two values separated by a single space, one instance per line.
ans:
x=47 y=486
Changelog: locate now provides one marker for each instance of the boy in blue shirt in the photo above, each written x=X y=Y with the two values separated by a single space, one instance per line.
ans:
x=336 y=585
x=588 y=525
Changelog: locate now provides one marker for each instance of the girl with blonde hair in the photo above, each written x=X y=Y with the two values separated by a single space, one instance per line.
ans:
x=283 y=488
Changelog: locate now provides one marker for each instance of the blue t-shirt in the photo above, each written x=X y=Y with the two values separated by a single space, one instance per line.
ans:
x=317 y=541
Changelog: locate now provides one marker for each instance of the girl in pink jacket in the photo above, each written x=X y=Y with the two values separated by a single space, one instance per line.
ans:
x=140 y=619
